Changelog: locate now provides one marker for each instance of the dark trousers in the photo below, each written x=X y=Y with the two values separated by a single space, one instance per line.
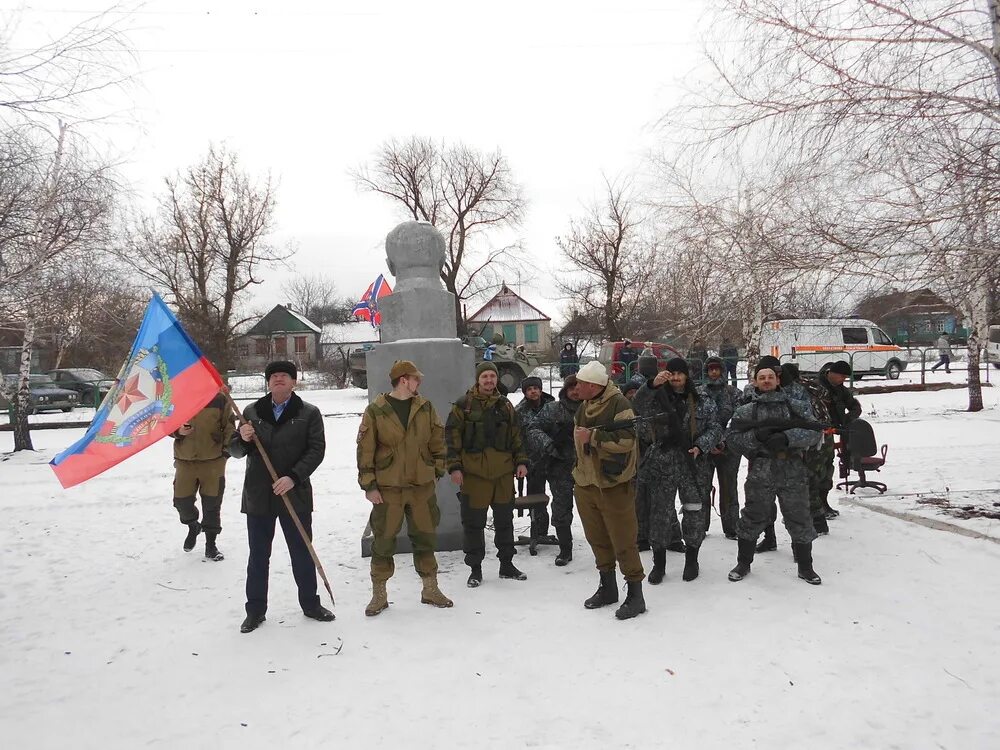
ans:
x=260 y=535
x=946 y=361
x=539 y=516
x=474 y=531
x=730 y=370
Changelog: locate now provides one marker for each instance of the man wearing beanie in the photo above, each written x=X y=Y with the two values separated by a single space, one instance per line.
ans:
x=552 y=432
x=401 y=456
x=764 y=431
x=676 y=462
x=750 y=391
x=722 y=460
x=291 y=431
x=605 y=488
x=527 y=411
x=485 y=452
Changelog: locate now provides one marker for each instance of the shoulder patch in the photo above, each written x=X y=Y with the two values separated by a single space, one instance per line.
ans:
x=361 y=431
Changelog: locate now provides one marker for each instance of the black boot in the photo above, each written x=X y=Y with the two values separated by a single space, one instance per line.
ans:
x=690 y=563
x=507 y=570
x=607 y=592
x=211 y=551
x=565 y=536
x=768 y=543
x=194 y=528
x=634 y=604
x=251 y=623
x=803 y=556
x=319 y=612
x=475 y=577
x=659 y=570
x=820 y=524
x=743 y=560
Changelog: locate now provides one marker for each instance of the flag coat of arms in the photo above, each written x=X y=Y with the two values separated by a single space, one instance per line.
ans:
x=367 y=308
x=165 y=381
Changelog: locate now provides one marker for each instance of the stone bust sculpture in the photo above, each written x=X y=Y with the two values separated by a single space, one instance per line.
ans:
x=414 y=252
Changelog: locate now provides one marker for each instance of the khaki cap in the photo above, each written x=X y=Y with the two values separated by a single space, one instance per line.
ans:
x=403 y=367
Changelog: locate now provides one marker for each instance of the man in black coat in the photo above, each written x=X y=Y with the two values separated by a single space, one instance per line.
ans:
x=291 y=432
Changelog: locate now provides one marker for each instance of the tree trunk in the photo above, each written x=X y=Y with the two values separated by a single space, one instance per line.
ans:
x=752 y=326
x=22 y=430
x=975 y=385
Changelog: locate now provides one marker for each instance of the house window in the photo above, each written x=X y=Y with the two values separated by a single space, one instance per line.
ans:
x=260 y=346
x=510 y=333
x=300 y=344
x=281 y=345
x=941 y=325
x=531 y=333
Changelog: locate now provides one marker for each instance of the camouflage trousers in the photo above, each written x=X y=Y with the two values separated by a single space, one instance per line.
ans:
x=668 y=473
x=819 y=468
x=207 y=478
x=727 y=466
x=561 y=483
x=418 y=506
x=784 y=479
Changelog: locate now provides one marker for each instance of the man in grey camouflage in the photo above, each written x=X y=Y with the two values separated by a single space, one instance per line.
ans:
x=527 y=410
x=722 y=459
x=684 y=431
x=551 y=434
x=770 y=432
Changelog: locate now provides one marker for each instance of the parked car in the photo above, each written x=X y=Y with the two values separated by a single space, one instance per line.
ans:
x=45 y=394
x=816 y=343
x=610 y=357
x=92 y=385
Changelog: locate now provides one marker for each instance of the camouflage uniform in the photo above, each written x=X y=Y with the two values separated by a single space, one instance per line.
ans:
x=200 y=465
x=403 y=462
x=527 y=412
x=485 y=444
x=727 y=463
x=668 y=468
x=781 y=475
x=551 y=435
x=834 y=405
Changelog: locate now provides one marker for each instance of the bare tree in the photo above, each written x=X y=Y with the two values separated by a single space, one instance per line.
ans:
x=56 y=200
x=611 y=253
x=206 y=247
x=315 y=296
x=465 y=193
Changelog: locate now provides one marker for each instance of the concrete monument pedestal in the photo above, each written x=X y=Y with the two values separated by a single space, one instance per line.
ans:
x=418 y=323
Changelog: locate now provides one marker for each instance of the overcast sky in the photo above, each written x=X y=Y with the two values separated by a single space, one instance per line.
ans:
x=567 y=90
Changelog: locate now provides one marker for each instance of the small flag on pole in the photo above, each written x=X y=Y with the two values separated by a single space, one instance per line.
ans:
x=367 y=308
x=165 y=381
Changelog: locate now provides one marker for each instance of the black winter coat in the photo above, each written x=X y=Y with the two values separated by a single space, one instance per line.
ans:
x=296 y=446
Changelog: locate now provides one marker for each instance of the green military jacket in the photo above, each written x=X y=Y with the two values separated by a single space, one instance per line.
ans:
x=213 y=430
x=484 y=436
x=391 y=454
x=613 y=456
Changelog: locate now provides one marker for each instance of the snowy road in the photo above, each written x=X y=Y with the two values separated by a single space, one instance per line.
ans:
x=113 y=637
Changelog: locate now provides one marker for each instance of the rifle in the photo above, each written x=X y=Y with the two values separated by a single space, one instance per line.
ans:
x=628 y=424
x=778 y=425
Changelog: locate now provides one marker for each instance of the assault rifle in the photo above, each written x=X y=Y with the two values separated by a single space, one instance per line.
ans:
x=628 y=424
x=779 y=425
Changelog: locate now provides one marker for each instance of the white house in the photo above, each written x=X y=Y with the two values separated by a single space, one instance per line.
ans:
x=518 y=320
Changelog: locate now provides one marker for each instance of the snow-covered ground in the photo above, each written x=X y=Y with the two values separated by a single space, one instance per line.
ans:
x=113 y=637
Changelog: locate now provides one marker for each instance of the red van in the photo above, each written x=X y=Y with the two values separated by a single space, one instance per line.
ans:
x=610 y=357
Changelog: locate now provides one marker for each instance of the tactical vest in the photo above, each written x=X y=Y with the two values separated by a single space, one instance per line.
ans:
x=486 y=428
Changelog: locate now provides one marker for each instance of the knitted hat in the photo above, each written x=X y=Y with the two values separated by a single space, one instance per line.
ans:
x=633 y=384
x=767 y=362
x=713 y=362
x=530 y=381
x=593 y=372
x=841 y=368
x=486 y=367
x=677 y=364
x=284 y=366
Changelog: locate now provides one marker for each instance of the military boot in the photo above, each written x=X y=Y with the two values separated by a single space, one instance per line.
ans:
x=634 y=605
x=769 y=543
x=607 y=591
x=659 y=566
x=475 y=576
x=690 y=563
x=380 y=599
x=804 y=559
x=211 y=551
x=431 y=594
x=507 y=570
x=565 y=536
x=194 y=528
x=743 y=560
x=820 y=524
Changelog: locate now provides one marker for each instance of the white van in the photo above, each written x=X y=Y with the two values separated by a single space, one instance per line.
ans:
x=993 y=346
x=815 y=342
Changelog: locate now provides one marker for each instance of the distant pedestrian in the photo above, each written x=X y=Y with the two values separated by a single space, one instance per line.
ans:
x=569 y=361
x=730 y=358
x=944 y=352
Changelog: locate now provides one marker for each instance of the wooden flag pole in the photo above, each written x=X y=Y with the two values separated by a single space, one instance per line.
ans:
x=284 y=496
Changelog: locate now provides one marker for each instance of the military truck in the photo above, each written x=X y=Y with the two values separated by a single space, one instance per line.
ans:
x=512 y=365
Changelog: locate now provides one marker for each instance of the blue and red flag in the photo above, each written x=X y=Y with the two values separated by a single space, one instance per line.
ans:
x=164 y=383
x=367 y=308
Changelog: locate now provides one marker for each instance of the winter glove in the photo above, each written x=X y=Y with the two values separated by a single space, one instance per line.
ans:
x=763 y=434
x=776 y=442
